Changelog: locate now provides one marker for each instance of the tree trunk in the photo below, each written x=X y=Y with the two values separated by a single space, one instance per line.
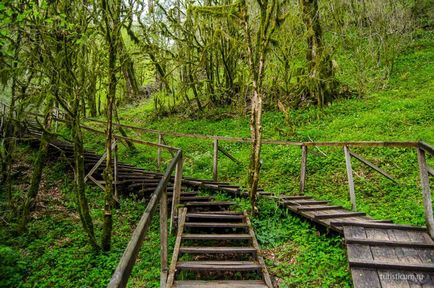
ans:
x=38 y=166
x=83 y=206
x=321 y=82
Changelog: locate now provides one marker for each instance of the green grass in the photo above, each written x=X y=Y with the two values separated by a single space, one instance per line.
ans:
x=55 y=253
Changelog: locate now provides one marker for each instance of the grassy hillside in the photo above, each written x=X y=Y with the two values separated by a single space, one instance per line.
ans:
x=55 y=253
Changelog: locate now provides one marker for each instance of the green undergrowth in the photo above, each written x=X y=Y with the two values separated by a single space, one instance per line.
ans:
x=402 y=111
x=55 y=251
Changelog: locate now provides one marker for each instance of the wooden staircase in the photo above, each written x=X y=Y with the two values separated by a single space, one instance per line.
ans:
x=216 y=247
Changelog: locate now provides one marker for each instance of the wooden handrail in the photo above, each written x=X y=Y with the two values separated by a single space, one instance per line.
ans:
x=124 y=268
x=398 y=144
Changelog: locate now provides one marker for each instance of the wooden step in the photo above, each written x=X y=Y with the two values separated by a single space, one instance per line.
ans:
x=220 y=212
x=340 y=215
x=220 y=284
x=216 y=237
x=390 y=243
x=314 y=202
x=214 y=216
x=419 y=267
x=193 y=198
x=318 y=208
x=215 y=225
x=217 y=266
x=209 y=204
x=218 y=250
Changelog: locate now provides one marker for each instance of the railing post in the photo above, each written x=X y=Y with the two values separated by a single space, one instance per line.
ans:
x=163 y=237
x=215 y=160
x=115 y=162
x=176 y=194
x=303 y=168
x=426 y=192
x=160 y=138
x=350 y=178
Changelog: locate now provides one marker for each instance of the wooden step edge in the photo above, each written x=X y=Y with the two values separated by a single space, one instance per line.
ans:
x=368 y=224
x=190 y=236
x=217 y=250
x=219 y=284
x=218 y=266
x=215 y=225
x=318 y=208
x=339 y=215
x=391 y=243
x=295 y=203
x=214 y=216
x=419 y=267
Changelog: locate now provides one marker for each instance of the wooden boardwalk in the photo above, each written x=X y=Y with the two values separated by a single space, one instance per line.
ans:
x=215 y=245
x=380 y=254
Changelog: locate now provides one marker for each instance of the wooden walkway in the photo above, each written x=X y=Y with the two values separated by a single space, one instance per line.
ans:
x=216 y=247
x=380 y=254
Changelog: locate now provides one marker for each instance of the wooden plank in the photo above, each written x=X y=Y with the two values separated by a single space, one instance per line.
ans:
x=215 y=160
x=218 y=250
x=159 y=152
x=292 y=202
x=218 y=266
x=380 y=225
x=220 y=284
x=376 y=168
x=215 y=225
x=204 y=204
x=303 y=168
x=213 y=216
x=228 y=155
x=426 y=192
x=319 y=208
x=177 y=189
x=339 y=215
x=216 y=236
x=295 y=197
x=163 y=238
x=350 y=178
x=389 y=243
x=362 y=278
x=422 y=267
x=255 y=244
x=176 y=249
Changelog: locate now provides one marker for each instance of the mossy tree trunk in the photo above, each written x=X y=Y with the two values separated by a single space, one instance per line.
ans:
x=111 y=14
x=38 y=166
x=321 y=82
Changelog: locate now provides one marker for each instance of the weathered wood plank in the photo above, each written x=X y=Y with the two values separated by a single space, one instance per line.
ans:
x=220 y=284
x=216 y=236
x=350 y=178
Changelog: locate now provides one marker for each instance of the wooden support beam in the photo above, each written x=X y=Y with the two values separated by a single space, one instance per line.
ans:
x=176 y=195
x=165 y=143
x=159 y=152
x=426 y=192
x=115 y=162
x=430 y=170
x=215 y=160
x=172 y=270
x=373 y=166
x=163 y=238
x=226 y=153
x=350 y=178
x=303 y=168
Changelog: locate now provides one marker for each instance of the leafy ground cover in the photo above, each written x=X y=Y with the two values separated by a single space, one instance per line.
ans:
x=54 y=252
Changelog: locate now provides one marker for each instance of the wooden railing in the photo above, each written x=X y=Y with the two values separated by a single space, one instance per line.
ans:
x=123 y=270
x=159 y=197
x=421 y=148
